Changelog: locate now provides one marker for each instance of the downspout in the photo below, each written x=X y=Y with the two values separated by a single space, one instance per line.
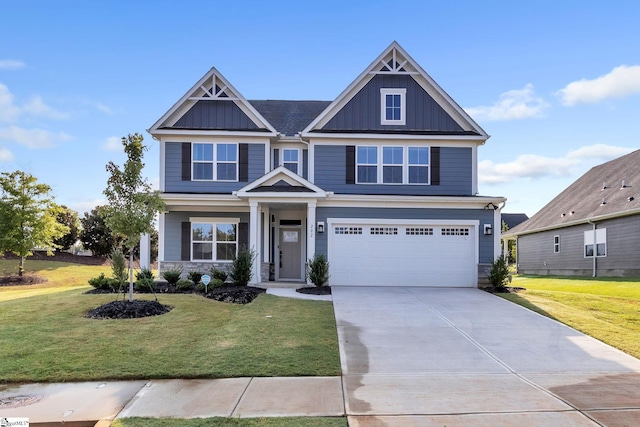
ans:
x=595 y=250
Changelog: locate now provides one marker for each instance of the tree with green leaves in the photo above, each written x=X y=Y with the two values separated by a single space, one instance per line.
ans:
x=95 y=235
x=68 y=218
x=133 y=205
x=27 y=216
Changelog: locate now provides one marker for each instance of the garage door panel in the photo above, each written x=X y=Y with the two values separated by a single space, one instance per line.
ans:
x=387 y=254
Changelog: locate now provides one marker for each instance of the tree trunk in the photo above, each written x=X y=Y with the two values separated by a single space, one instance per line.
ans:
x=131 y=274
x=21 y=267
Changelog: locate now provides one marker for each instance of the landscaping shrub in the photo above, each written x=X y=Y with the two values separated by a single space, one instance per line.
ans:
x=499 y=275
x=215 y=283
x=172 y=276
x=144 y=285
x=219 y=274
x=184 y=285
x=240 y=271
x=105 y=283
x=195 y=276
x=144 y=273
x=119 y=267
x=318 y=270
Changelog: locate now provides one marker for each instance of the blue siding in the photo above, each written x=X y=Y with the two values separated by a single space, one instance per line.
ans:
x=215 y=115
x=173 y=172
x=484 y=216
x=455 y=174
x=362 y=112
x=173 y=229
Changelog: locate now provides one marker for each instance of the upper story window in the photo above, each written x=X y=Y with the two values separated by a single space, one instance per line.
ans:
x=393 y=106
x=215 y=162
x=367 y=164
x=291 y=159
x=396 y=165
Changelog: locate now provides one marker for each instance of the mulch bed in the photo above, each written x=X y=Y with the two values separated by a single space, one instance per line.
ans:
x=314 y=290
x=128 y=310
x=27 y=279
x=62 y=257
x=505 y=290
x=235 y=294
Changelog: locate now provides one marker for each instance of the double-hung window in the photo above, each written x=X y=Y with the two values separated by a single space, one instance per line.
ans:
x=215 y=162
x=393 y=106
x=595 y=239
x=392 y=161
x=291 y=159
x=392 y=165
x=213 y=241
x=556 y=244
x=367 y=164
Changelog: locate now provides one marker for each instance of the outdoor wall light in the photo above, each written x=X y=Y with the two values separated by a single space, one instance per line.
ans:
x=320 y=227
x=488 y=229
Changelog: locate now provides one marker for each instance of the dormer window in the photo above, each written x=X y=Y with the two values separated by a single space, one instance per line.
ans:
x=393 y=106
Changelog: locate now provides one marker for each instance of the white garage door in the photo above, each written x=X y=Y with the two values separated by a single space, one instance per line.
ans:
x=392 y=254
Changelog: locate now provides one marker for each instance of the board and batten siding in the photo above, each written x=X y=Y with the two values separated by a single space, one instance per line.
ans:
x=536 y=256
x=173 y=172
x=363 y=111
x=484 y=216
x=219 y=115
x=173 y=229
x=455 y=174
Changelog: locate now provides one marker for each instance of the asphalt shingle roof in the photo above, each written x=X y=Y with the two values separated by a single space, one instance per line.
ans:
x=290 y=117
x=513 y=219
x=584 y=199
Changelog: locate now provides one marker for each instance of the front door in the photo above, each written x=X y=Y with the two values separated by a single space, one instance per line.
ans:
x=290 y=253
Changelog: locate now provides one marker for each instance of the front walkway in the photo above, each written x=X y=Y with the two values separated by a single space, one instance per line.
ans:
x=459 y=357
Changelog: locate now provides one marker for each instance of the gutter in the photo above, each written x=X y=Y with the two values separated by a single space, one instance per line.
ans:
x=595 y=250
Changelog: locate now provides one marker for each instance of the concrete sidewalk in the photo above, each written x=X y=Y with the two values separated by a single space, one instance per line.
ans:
x=86 y=404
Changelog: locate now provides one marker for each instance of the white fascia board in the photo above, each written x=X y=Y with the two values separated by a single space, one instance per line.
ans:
x=277 y=174
x=162 y=159
x=436 y=202
x=373 y=221
x=477 y=139
x=163 y=133
x=598 y=218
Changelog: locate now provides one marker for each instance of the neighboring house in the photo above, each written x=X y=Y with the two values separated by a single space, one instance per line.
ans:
x=383 y=181
x=590 y=229
x=513 y=219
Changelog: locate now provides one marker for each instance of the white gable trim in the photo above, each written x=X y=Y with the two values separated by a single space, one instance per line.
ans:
x=199 y=91
x=412 y=68
x=281 y=174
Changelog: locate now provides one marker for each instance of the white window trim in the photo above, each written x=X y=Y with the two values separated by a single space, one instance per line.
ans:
x=600 y=239
x=383 y=105
x=298 y=163
x=556 y=244
x=215 y=162
x=213 y=222
x=405 y=165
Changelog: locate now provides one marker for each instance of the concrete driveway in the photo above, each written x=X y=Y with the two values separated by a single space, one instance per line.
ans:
x=462 y=357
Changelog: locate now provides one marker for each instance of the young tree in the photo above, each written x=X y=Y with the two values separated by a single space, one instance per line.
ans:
x=132 y=206
x=27 y=216
x=68 y=218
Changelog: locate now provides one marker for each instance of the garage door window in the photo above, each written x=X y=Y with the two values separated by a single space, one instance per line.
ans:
x=455 y=231
x=348 y=230
x=384 y=230
x=419 y=231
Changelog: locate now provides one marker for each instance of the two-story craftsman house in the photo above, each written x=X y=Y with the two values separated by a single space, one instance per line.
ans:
x=383 y=180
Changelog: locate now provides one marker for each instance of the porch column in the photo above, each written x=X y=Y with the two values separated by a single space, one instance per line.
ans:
x=254 y=240
x=266 y=231
x=311 y=232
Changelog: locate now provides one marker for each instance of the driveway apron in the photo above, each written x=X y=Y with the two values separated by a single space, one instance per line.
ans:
x=459 y=357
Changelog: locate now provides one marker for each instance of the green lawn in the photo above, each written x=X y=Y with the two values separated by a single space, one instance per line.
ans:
x=605 y=308
x=233 y=422
x=45 y=336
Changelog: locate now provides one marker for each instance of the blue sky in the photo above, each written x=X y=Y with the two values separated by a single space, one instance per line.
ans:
x=555 y=83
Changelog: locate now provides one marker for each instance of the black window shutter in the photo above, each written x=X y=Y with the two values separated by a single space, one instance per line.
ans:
x=243 y=236
x=351 y=164
x=243 y=162
x=435 y=165
x=185 y=247
x=186 y=161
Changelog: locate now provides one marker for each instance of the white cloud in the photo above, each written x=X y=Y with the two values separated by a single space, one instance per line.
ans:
x=533 y=166
x=113 y=144
x=103 y=108
x=32 y=138
x=11 y=64
x=10 y=111
x=621 y=82
x=82 y=206
x=512 y=105
x=6 y=156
